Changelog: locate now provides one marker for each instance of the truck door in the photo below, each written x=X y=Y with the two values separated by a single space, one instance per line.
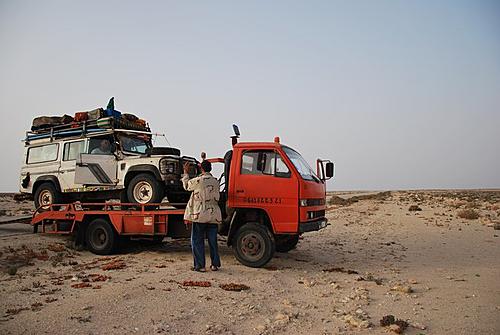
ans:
x=99 y=166
x=263 y=180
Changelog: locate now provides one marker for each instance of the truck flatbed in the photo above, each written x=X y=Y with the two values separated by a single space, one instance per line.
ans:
x=94 y=222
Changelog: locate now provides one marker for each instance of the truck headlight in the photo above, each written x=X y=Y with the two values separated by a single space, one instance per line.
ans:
x=303 y=202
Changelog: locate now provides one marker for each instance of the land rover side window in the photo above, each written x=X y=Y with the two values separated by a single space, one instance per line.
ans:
x=72 y=150
x=44 y=153
x=101 y=145
x=264 y=162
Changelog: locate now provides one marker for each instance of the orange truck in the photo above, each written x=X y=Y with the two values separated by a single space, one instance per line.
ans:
x=269 y=197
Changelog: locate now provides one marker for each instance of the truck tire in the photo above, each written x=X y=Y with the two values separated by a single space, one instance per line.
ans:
x=144 y=189
x=253 y=245
x=285 y=243
x=47 y=194
x=100 y=237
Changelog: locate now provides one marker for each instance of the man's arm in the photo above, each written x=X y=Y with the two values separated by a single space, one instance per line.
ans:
x=189 y=184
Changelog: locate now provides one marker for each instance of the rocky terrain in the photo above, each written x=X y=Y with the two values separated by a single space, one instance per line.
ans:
x=412 y=262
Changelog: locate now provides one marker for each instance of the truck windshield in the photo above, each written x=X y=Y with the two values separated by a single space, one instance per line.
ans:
x=300 y=164
x=136 y=145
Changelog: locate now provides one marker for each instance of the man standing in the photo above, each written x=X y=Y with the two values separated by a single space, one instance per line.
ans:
x=204 y=212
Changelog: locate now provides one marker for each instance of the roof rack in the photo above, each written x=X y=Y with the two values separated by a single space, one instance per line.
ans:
x=82 y=128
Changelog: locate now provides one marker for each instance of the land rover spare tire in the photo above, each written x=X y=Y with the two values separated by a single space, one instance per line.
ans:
x=144 y=189
x=47 y=194
x=253 y=245
x=163 y=151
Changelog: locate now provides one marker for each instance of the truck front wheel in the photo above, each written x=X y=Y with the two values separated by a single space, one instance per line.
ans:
x=100 y=237
x=144 y=189
x=285 y=243
x=253 y=245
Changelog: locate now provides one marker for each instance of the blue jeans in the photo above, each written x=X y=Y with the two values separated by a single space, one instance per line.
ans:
x=198 y=233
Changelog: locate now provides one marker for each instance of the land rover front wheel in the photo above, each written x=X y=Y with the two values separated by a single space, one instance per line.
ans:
x=253 y=245
x=45 y=195
x=144 y=189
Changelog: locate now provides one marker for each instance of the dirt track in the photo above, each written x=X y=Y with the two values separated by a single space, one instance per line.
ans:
x=438 y=272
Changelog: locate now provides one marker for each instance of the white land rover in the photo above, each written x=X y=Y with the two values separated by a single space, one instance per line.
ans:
x=95 y=164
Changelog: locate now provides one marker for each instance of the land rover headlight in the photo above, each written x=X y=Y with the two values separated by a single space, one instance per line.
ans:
x=167 y=167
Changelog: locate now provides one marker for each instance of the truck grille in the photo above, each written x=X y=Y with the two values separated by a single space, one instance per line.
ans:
x=315 y=214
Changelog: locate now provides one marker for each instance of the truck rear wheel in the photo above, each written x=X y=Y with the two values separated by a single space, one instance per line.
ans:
x=144 y=189
x=100 y=237
x=253 y=245
x=285 y=243
x=47 y=194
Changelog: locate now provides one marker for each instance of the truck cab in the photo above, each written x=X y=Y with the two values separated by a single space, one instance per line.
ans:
x=270 y=197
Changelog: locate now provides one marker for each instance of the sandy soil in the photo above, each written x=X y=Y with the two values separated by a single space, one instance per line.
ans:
x=430 y=268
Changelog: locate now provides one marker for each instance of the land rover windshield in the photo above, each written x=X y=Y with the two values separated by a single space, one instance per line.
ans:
x=306 y=172
x=135 y=144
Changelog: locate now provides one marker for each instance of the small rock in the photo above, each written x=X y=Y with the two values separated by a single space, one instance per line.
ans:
x=402 y=288
x=395 y=328
x=496 y=226
x=260 y=328
x=418 y=326
x=281 y=318
x=356 y=322
x=12 y=270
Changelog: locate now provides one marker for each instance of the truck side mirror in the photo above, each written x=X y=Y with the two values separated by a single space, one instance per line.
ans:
x=329 y=170
x=236 y=130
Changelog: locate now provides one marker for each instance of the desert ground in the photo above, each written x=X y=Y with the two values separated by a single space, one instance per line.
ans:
x=434 y=268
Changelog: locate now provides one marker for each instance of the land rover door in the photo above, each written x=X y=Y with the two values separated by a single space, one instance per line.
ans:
x=98 y=167
x=71 y=150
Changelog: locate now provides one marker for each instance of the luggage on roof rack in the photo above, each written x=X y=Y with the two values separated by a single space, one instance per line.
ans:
x=46 y=122
x=75 y=128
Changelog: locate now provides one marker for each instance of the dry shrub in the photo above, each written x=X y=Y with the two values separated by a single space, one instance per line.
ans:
x=472 y=205
x=234 y=287
x=414 y=208
x=381 y=196
x=469 y=214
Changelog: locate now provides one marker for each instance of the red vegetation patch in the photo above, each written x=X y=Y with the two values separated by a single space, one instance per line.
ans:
x=196 y=283
x=98 y=277
x=114 y=265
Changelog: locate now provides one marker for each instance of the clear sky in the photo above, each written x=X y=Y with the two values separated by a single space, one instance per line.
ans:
x=399 y=94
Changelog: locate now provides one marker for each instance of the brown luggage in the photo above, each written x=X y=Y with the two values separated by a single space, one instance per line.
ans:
x=95 y=114
x=81 y=116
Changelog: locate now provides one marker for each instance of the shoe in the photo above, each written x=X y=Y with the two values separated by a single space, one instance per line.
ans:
x=198 y=269
x=214 y=268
